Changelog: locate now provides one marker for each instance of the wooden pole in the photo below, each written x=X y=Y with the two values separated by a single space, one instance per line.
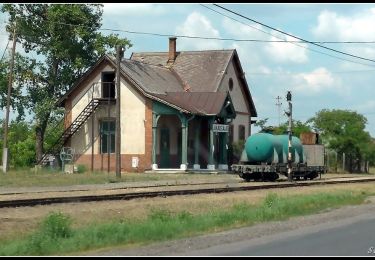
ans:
x=5 y=141
x=119 y=54
x=92 y=129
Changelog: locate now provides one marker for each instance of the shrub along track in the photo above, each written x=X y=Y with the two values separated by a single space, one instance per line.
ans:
x=218 y=188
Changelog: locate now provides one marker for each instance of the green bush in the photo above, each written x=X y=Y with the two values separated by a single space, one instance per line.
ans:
x=81 y=168
x=237 y=148
x=56 y=225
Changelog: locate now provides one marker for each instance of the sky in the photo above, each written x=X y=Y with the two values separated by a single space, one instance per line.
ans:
x=317 y=78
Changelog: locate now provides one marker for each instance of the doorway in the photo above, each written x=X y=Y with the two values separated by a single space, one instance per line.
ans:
x=164 y=148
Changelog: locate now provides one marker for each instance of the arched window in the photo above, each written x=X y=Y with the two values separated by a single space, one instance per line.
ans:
x=241 y=132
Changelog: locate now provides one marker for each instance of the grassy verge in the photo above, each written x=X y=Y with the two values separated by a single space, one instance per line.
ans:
x=45 y=177
x=55 y=235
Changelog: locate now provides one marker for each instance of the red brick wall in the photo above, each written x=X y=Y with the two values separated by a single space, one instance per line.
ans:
x=148 y=134
x=101 y=160
x=68 y=117
x=68 y=113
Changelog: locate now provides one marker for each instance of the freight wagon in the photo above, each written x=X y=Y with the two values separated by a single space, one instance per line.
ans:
x=265 y=157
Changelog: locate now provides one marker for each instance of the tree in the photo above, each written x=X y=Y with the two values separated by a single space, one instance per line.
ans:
x=21 y=144
x=67 y=37
x=23 y=68
x=344 y=132
x=298 y=127
x=261 y=123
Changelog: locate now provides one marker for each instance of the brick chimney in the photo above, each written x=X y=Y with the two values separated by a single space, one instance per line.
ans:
x=172 y=50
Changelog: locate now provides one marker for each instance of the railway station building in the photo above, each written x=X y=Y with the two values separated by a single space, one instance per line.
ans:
x=179 y=110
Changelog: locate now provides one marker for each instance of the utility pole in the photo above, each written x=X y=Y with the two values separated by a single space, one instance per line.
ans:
x=278 y=104
x=289 y=114
x=119 y=55
x=5 y=145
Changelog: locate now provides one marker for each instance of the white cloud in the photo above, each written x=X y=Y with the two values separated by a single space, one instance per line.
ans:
x=248 y=56
x=277 y=52
x=133 y=9
x=318 y=81
x=343 y=28
x=264 y=69
x=359 y=27
x=286 y=52
x=197 y=24
x=243 y=31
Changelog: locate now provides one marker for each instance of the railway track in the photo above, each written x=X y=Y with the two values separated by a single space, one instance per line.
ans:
x=144 y=186
x=118 y=188
x=151 y=194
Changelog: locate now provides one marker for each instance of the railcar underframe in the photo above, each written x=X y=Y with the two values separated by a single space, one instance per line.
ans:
x=271 y=172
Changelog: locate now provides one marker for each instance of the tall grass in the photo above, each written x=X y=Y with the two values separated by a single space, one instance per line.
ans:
x=55 y=235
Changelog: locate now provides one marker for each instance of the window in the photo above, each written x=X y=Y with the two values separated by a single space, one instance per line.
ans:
x=107 y=136
x=108 y=84
x=230 y=83
x=241 y=132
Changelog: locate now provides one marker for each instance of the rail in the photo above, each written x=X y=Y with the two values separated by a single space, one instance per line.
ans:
x=165 y=193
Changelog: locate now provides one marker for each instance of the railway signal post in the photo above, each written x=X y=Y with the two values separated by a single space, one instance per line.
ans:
x=289 y=114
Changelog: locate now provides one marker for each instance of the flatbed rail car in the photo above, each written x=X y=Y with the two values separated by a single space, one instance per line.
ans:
x=265 y=158
x=271 y=172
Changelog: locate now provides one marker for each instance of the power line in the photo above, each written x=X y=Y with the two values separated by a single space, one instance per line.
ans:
x=299 y=41
x=235 y=39
x=307 y=116
x=219 y=38
x=232 y=39
x=296 y=73
x=216 y=38
x=4 y=51
x=267 y=26
x=307 y=48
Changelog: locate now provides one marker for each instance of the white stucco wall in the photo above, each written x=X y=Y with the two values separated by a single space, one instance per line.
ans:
x=133 y=112
x=92 y=89
x=239 y=101
x=81 y=140
x=133 y=115
x=240 y=120
x=238 y=98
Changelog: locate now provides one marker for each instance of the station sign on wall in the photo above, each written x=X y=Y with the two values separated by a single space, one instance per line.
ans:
x=220 y=128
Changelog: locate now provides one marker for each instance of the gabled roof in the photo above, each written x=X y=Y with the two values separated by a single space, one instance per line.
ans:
x=201 y=71
x=201 y=103
x=190 y=84
x=153 y=79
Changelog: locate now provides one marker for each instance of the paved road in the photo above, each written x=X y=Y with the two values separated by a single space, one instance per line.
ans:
x=349 y=237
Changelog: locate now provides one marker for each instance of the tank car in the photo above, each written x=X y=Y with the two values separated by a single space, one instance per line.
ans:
x=265 y=158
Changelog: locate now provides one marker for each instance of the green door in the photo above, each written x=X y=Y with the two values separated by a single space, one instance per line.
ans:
x=164 y=148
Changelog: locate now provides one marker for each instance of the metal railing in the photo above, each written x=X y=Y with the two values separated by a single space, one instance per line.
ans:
x=95 y=92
